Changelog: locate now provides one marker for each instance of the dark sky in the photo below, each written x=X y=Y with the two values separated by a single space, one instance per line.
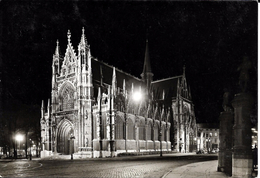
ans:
x=209 y=38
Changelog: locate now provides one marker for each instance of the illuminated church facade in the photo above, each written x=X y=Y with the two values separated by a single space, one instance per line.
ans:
x=97 y=110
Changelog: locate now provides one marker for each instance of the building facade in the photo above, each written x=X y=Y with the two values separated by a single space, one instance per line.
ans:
x=97 y=110
x=208 y=137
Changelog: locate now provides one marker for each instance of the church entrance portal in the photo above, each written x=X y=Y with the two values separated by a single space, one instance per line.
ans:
x=65 y=131
x=192 y=143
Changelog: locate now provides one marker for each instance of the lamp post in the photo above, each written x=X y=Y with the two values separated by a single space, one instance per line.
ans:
x=125 y=117
x=30 y=144
x=137 y=96
x=71 y=138
x=18 y=138
x=160 y=135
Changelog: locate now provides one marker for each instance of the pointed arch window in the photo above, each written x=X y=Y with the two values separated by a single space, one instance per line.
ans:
x=67 y=98
x=163 y=133
x=142 y=131
x=149 y=131
x=119 y=128
x=82 y=56
x=131 y=130
x=156 y=132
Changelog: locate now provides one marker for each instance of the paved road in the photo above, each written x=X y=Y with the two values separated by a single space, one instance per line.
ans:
x=139 y=166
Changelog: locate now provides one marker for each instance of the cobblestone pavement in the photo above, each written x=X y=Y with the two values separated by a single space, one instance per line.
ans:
x=111 y=167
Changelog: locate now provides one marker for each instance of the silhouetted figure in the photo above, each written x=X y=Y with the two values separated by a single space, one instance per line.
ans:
x=255 y=157
x=244 y=77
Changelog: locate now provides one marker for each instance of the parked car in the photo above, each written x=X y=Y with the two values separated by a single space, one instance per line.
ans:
x=200 y=152
x=215 y=150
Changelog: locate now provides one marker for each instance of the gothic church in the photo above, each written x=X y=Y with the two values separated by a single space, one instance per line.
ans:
x=97 y=110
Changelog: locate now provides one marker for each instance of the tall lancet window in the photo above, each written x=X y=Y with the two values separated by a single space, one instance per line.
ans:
x=67 y=98
x=56 y=67
x=82 y=56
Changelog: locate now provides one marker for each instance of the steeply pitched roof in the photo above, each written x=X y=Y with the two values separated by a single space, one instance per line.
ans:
x=208 y=125
x=107 y=72
x=168 y=86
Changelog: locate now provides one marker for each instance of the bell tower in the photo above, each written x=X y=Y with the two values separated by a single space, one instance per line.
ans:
x=85 y=90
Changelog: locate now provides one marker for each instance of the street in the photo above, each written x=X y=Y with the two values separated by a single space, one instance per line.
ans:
x=135 y=166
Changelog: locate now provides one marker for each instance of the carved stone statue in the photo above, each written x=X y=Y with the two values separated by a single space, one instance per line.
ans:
x=226 y=101
x=244 y=77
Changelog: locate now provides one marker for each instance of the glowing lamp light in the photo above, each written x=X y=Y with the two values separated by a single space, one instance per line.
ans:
x=137 y=96
x=19 y=137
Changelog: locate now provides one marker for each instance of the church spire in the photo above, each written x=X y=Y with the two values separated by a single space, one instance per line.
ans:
x=69 y=35
x=57 y=50
x=42 y=109
x=83 y=38
x=114 y=83
x=147 y=75
x=147 y=65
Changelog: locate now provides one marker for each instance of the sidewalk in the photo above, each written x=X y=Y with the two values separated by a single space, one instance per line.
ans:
x=197 y=170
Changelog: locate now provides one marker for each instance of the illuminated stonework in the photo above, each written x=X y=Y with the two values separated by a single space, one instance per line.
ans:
x=93 y=111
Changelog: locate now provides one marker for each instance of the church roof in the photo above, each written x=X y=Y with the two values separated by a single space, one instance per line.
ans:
x=105 y=71
x=168 y=86
x=208 y=125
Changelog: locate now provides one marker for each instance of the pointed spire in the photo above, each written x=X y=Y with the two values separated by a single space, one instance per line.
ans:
x=69 y=35
x=147 y=64
x=184 y=70
x=42 y=109
x=110 y=97
x=163 y=113
x=101 y=76
x=57 y=50
x=49 y=108
x=99 y=93
x=114 y=83
x=124 y=91
x=99 y=98
x=43 y=104
x=83 y=38
x=147 y=75
x=132 y=89
x=163 y=95
x=49 y=103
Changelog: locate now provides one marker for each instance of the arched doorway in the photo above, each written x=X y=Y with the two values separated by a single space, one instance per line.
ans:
x=65 y=131
x=192 y=143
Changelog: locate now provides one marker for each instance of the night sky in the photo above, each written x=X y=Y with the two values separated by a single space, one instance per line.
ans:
x=209 y=38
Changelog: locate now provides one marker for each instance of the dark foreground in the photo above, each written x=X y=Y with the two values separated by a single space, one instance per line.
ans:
x=135 y=166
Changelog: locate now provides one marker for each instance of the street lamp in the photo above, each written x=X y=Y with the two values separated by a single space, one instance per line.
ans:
x=160 y=135
x=19 y=138
x=30 y=149
x=137 y=96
